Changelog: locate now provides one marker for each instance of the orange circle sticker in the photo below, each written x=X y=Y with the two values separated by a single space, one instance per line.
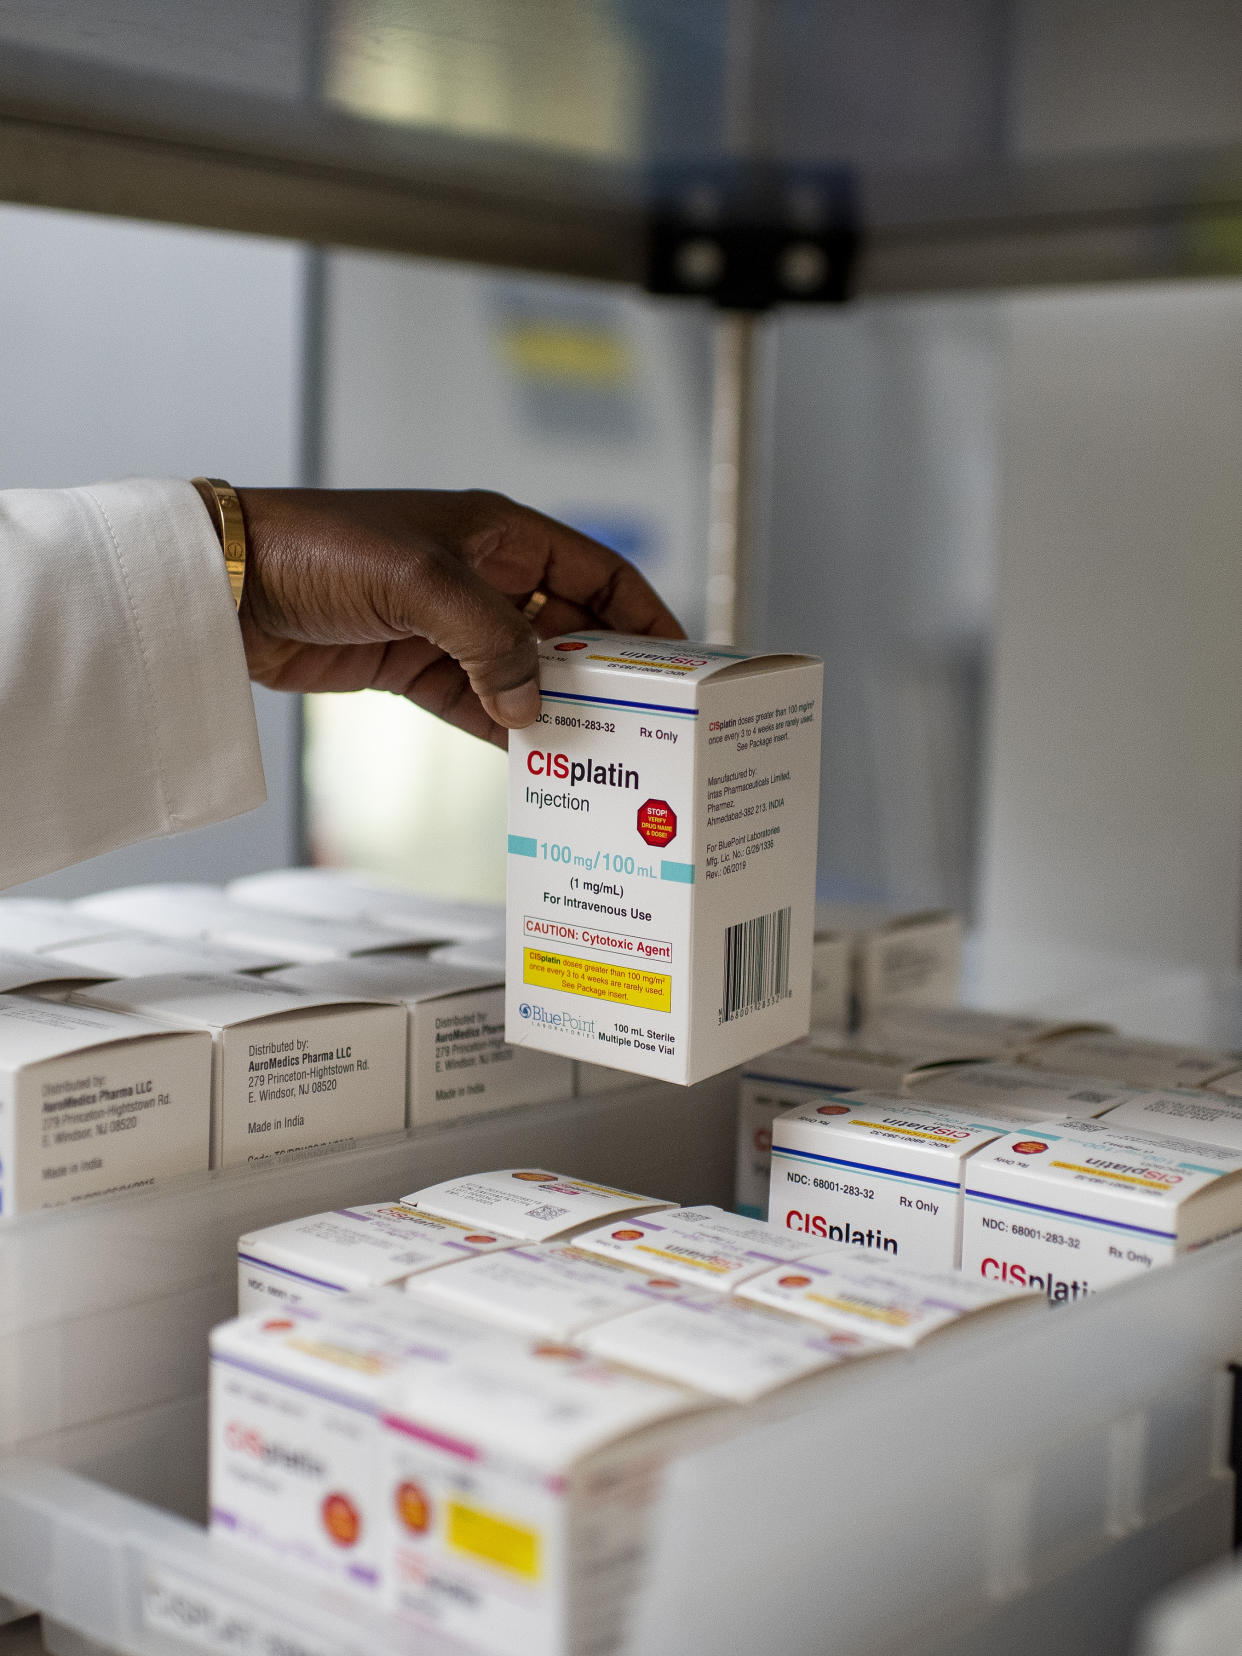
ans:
x=481 y=1241
x=662 y=1283
x=627 y=1236
x=341 y=1519
x=413 y=1508
x=1030 y=1147
x=793 y=1282
x=537 y=1178
x=559 y=1353
x=833 y=1109
x=570 y=644
x=278 y=1325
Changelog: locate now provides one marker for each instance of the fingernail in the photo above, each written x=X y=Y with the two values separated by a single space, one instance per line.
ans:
x=515 y=708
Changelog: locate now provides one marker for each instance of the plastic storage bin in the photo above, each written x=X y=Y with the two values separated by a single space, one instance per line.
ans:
x=1201 y=1617
x=1026 y=1487
x=105 y=1306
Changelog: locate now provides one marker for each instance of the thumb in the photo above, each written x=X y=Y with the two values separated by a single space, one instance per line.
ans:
x=468 y=619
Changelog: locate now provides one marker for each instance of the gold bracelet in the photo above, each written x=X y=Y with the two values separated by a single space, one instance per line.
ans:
x=230 y=527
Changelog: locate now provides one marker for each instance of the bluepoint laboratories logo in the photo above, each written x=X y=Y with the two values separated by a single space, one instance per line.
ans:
x=565 y=1023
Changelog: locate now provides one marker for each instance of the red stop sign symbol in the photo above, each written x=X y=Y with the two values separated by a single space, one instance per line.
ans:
x=657 y=822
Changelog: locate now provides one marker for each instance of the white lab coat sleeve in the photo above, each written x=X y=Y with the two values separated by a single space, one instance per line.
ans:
x=125 y=706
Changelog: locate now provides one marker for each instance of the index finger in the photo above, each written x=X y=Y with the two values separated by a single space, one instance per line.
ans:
x=533 y=551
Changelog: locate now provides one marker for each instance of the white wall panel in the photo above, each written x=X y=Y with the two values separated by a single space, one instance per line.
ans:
x=1114 y=806
x=138 y=349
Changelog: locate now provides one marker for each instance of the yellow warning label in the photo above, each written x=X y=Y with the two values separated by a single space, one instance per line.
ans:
x=886 y=1314
x=599 y=980
x=653 y=666
x=484 y=1535
x=1122 y=1178
x=910 y=1132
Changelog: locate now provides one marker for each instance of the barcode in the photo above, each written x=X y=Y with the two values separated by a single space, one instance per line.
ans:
x=756 y=964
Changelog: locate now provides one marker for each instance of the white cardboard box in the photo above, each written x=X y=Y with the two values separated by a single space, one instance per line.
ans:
x=662 y=837
x=40 y=974
x=519 y=1493
x=189 y=910
x=529 y=1203
x=897 y=958
x=864 y=1296
x=350 y=1251
x=296 y=1446
x=291 y=1070
x=547 y=1290
x=992 y=1035
x=702 y=1245
x=1070 y=1207
x=488 y=954
x=826 y=1063
x=883 y=1174
x=832 y=978
x=38 y=925
x=1194 y=1114
x=724 y=1346
x=459 y=1061
x=135 y=955
x=92 y=1102
x=1016 y=1090
x=1137 y=1063
x=348 y=894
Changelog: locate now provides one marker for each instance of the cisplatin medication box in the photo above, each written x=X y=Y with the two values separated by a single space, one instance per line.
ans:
x=529 y=1203
x=663 y=816
x=297 y=1394
x=548 y=1290
x=702 y=1245
x=519 y=1496
x=191 y=910
x=891 y=1305
x=292 y=1070
x=350 y=1251
x=884 y=1174
x=723 y=1346
x=92 y=1103
x=896 y=958
x=881 y=1062
x=459 y=1061
x=1069 y=1207
x=1017 y=1091
x=1137 y=1063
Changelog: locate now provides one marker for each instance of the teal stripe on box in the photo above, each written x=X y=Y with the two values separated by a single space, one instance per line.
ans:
x=520 y=846
x=681 y=872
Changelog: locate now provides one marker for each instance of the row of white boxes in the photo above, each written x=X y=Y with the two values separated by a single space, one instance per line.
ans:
x=962 y=1137
x=1074 y=1462
x=475 y=1441
x=244 y=1034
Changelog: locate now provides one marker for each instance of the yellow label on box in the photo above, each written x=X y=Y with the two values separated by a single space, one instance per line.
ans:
x=499 y=1541
x=598 y=980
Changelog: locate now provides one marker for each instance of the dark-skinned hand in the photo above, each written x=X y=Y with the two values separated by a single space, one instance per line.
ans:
x=420 y=592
